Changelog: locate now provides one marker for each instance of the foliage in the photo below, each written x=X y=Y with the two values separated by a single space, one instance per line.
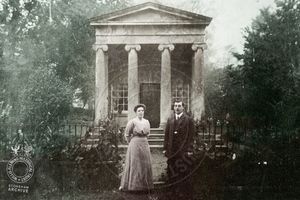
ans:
x=224 y=95
x=80 y=115
x=44 y=57
x=214 y=101
x=98 y=166
x=265 y=86
x=45 y=97
x=270 y=170
x=270 y=72
x=4 y=111
x=33 y=35
x=4 y=114
x=84 y=165
x=263 y=90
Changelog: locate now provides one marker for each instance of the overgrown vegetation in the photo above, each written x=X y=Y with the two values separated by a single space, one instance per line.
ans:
x=263 y=91
x=57 y=41
x=265 y=86
x=44 y=58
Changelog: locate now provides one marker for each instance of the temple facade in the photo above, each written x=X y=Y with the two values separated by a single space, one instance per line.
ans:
x=151 y=54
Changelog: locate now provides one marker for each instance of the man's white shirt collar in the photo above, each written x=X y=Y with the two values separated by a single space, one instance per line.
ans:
x=178 y=116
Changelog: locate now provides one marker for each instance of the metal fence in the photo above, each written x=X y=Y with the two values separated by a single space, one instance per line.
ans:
x=226 y=137
x=9 y=133
x=211 y=135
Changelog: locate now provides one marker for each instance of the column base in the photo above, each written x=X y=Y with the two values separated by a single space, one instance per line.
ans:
x=163 y=125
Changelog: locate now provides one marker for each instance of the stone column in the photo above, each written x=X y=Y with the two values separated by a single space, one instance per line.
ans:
x=101 y=82
x=165 y=83
x=133 y=82
x=197 y=92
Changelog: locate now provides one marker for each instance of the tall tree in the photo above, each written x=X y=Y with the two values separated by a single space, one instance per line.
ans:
x=269 y=74
x=53 y=34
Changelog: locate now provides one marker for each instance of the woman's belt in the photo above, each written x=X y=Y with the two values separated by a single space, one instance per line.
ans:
x=140 y=136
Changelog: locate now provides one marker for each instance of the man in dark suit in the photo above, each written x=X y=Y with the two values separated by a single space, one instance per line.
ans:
x=178 y=143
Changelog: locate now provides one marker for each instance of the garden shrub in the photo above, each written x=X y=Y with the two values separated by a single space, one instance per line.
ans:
x=81 y=165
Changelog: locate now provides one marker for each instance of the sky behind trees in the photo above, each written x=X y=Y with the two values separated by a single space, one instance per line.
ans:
x=230 y=17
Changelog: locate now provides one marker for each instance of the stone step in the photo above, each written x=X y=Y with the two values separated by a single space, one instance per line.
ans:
x=155 y=141
x=157 y=129
x=156 y=135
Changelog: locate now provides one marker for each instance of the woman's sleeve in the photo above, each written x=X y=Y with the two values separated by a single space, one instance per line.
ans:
x=128 y=131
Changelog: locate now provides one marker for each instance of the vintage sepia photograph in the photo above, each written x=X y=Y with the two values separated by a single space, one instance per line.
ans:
x=149 y=99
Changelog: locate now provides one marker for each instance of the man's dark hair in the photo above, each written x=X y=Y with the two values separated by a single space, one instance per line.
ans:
x=178 y=101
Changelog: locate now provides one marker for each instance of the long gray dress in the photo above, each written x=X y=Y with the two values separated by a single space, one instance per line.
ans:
x=137 y=173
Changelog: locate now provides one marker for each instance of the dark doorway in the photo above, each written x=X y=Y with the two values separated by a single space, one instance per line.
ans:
x=150 y=96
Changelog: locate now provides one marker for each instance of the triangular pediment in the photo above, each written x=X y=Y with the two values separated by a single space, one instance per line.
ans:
x=152 y=13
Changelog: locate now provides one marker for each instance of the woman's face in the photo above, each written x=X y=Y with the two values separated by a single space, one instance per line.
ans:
x=140 y=112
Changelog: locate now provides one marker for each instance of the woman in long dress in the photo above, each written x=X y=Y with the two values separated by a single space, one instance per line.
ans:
x=137 y=175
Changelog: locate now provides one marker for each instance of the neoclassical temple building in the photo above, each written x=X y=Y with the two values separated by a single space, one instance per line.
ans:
x=151 y=54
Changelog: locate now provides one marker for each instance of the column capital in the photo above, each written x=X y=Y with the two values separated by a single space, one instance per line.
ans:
x=103 y=47
x=162 y=47
x=197 y=46
x=128 y=47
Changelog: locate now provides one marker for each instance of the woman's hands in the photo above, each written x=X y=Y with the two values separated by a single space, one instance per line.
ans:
x=142 y=133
